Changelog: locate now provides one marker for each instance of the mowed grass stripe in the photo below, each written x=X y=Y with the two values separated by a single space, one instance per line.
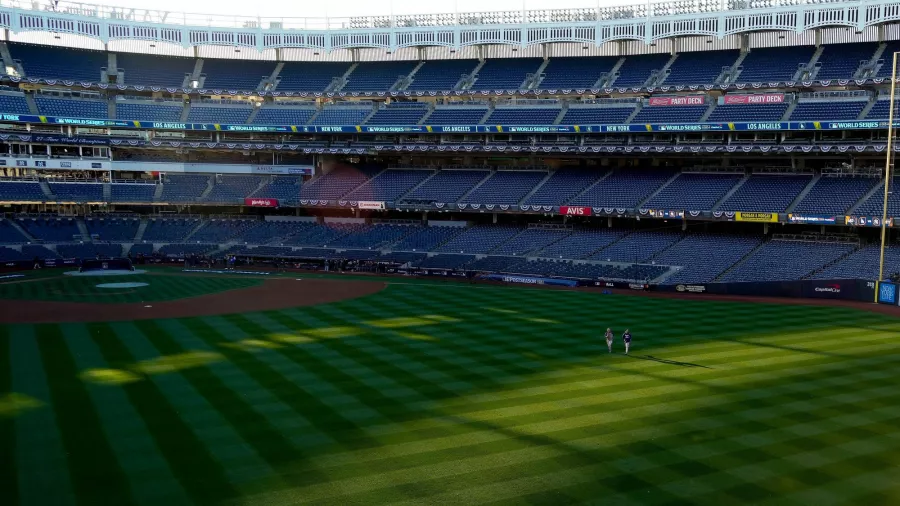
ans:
x=8 y=449
x=541 y=442
x=96 y=474
x=201 y=476
x=356 y=366
x=292 y=386
x=254 y=429
x=594 y=406
x=280 y=415
x=149 y=475
x=41 y=465
x=444 y=356
x=244 y=468
x=368 y=358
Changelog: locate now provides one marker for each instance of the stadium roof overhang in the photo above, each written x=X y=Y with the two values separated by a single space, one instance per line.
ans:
x=641 y=22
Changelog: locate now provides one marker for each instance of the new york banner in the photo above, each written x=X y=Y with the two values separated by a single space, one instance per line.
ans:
x=442 y=129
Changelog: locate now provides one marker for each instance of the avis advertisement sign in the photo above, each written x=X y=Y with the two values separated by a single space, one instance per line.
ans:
x=261 y=202
x=691 y=100
x=762 y=98
x=574 y=211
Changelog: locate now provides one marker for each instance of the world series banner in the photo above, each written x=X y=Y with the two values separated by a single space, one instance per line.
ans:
x=819 y=219
x=756 y=217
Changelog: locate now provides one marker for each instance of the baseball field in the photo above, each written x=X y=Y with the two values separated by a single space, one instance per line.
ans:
x=197 y=389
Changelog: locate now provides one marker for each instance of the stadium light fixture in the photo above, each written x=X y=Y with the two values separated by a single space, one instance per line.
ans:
x=887 y=166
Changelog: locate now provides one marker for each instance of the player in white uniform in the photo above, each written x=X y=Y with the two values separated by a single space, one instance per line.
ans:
x=609 y=339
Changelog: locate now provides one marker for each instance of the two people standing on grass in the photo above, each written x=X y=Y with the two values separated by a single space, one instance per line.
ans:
x=626 y=337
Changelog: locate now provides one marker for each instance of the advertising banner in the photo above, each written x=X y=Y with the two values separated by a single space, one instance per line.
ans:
x=528 y=280
x=690 y=100
x=574 y=211
x=867 y=221
x=756 y=217
x=818 y=219
x=762 y=98
x=667 y=213
x=261 y=202
x=370 y=205
x=887 y=293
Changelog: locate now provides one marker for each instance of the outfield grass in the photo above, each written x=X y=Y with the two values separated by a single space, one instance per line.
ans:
x=455 y=394
x=84 y=288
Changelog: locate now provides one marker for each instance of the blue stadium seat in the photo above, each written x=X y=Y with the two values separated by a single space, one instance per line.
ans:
x=399 y=113
x=766 y=193
x=636 y=69
x=183 y=187
x=698 y=265
x=169 y=229
x=13 y=103
x=71 y=108
x=700 y=67
x=284 y=188
x=21 y=191
x=152 y=70
x=588 y=115
x=779 y=260
x=863 y=263
x=523 y=116
x=52 y=62
x=389 y=185
x=747 y=112
x=242 y=75
x=446 y=186
x=427 y=238
x=341 y=115
x=828 y=110
x=697 y=192
x=582 y=243
x=275 y=115
x=230 y=189
x=378 y=76
x=78 y=192
x=113 y=229
x=576 y=72
x=151 y=111
x=309 y=76
x=835 y=195
x=670 y=114
x=456 y=115
x=774 y=64
x=437 y=75
x=562 y=186
x=623 y=189
x=132 y=192
x=505 y=73
x=637 y=247
x=479 y=239
x=505 y=187
x=841 y=61
x=51 y=229
x=229 y=115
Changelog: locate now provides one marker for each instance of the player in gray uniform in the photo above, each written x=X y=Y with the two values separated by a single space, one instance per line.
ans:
x=609 y=339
